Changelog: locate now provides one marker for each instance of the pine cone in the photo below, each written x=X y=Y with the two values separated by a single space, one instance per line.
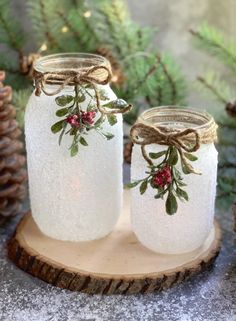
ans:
x=127 y=152
x=26 y=64
x=234 y=213
x=12 y=173
x=231 y=109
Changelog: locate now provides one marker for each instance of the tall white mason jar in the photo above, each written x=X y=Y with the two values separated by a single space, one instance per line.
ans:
x=72 y=198
x=189 y=227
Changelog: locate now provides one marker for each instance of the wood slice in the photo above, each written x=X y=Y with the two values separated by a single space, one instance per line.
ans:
x=116 y=264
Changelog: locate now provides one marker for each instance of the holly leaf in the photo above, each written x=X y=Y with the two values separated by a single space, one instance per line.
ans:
x=62 y=112
x=173 y=158
x=190 y=157
x=91 y=107
x=132 y=184
x=73 y=131
x=81 y=97
x=62 y=132
x=157 y=155
x=112 y=119
x=143 y=187
x=64 y=100
x=117 y=104
x=186 y=169
x=74 y=150
x=161 y=193
x=99 y=121
x=109 y=136
x=182 y=194
x=57 y=126
x=171 y=204
x=83 y=141
x=103 y=95
x=180 y=183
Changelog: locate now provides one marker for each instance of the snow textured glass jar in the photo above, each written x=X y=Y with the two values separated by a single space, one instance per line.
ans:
x=175 y=143
x=75 y=187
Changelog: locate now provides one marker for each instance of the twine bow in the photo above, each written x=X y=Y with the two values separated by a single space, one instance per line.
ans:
x=143 y=135
x=96 y=75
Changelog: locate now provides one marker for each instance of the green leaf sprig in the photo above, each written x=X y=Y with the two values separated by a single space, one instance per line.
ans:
x=165 y=178
x=77 y=122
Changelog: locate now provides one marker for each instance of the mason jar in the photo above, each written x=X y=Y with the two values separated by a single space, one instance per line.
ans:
x=186 y=229
x=74 y=197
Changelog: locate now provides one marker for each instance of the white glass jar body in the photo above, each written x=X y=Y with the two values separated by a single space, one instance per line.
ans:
x=72 y=198
x=187 y=229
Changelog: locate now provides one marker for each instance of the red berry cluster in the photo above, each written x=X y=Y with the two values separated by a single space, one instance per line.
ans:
x=162 y=177
x=87 y=118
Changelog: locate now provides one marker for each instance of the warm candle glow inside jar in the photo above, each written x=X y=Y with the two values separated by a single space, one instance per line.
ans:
x=188 y=228
x=74 y=197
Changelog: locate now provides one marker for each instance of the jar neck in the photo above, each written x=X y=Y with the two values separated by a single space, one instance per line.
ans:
x=176 y=118
x=70 y=69
x=69 y=62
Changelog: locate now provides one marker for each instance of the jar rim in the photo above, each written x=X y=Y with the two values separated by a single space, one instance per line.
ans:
x=69 y=62
x=197 y=119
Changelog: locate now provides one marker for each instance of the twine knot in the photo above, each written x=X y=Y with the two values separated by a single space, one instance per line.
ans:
x=187 y=140
x=143 y=134
x=96 y=75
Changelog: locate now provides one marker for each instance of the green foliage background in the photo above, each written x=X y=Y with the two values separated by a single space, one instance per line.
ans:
x=223 y=90
x=150 y=77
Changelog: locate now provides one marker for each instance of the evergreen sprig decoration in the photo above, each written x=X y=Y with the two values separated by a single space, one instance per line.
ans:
x=223 y=90
x=85 y=81
x=81 y=122
x=164 y=176
x=172 y=128
x=141 y=73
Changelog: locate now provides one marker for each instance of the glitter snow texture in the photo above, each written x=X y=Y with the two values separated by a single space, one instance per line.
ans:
x=187 y=229
x=72 y=198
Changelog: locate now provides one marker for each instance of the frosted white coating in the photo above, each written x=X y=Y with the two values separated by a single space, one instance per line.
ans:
x=187 y=229
x=72 y=198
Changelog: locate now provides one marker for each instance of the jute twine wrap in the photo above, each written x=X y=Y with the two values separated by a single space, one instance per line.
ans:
x=202 y=130
x=96 y=73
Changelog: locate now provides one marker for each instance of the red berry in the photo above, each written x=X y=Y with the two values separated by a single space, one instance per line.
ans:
x=162 y=177
x=73 y=120
x=88 y=117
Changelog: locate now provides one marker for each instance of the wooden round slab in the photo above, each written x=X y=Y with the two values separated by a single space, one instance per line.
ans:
x=116 y=264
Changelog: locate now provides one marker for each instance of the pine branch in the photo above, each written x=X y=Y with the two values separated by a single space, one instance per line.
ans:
x=141 y=82
x=42 y=14
x=170 y=80
x=11 y=33
x=166 y=86
x=91 y=29
x=75 y=33
x=88 y=25
x=20 y=99
x=213 y=89
x=216 y=44
x=113 y=35
x=8 y=64
x=50 y=39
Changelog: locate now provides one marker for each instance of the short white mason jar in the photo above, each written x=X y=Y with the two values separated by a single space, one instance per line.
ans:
x=187 y=229
x=72 y=198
